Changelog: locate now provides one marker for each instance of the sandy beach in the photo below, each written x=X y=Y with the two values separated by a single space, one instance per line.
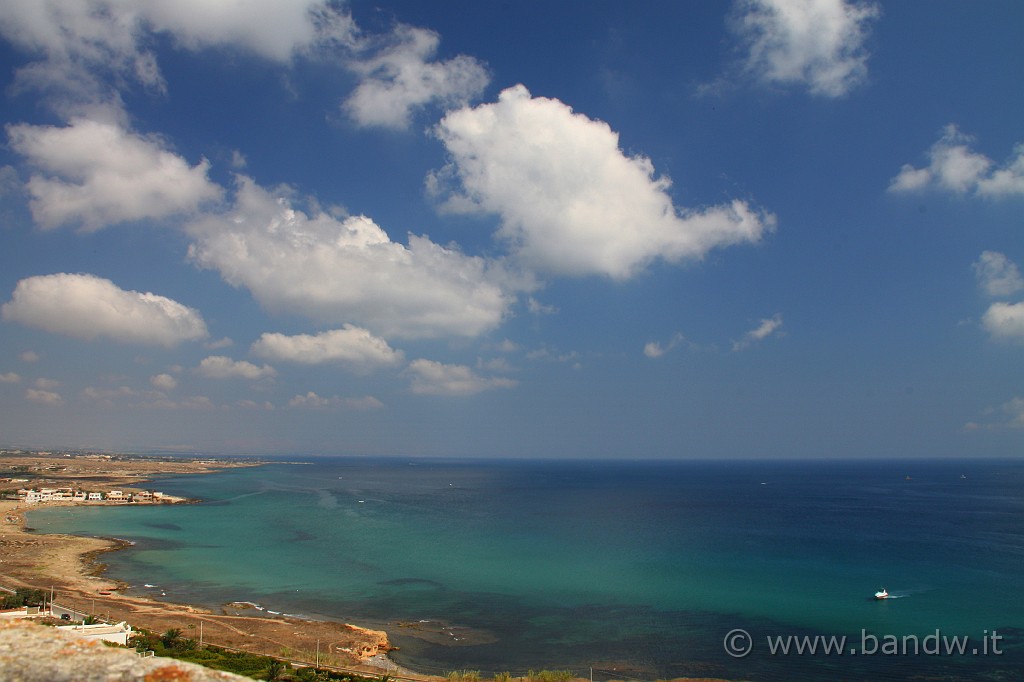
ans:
x=72 y=567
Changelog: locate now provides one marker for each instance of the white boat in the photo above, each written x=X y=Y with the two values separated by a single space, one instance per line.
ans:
x=882 y=594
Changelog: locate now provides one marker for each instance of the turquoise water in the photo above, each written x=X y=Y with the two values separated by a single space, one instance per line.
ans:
x=641 y=567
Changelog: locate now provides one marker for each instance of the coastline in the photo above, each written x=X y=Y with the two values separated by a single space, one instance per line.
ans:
x=72 y=568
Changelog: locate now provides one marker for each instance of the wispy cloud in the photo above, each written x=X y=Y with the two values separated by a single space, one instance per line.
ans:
x=998 y=275
x=1009 y=415
x=434 y=378
x=766 y=328
x=313 y=401
x=654 y=349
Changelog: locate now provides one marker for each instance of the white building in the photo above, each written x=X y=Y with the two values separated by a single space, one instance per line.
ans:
x=118 y=633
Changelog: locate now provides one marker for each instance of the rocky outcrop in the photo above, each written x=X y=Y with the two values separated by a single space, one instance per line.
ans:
x=35 y=653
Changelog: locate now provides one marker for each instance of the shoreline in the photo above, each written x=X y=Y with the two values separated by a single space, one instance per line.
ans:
x=73 y=568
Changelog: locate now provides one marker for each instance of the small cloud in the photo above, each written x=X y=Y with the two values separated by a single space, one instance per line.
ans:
x=46 y=384
x=238 y=160
x=29 y=357
x=314 y=401
x=1009 y=415
x=198 y=402
x=222 y=367
x=428 y=377
x=654 y=349
x=1005 y=321
x=495 y=365
x=107 y=396
x=997 y=275
x=253 y=405
x=548 y=355
x=401 y=78
x=10 y=378
x=219 y=343
x=351 y=345
x=955 y=167
x=163 y=382
x=40 y=397
x=766 y=328
x=538 y=308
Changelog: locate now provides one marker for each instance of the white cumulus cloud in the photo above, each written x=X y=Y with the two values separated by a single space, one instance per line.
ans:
x=223 y=367
x=955 y=167
x=10 y=378
x=90 y=307
x=1005 y=321
x=350 y=345
x=400 y=78
x=347 y=271
x=95 y=174
x=434 y=378
x=570 y=201
x=814 y=43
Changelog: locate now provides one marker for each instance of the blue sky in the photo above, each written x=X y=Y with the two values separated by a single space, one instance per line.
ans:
x=765 y=228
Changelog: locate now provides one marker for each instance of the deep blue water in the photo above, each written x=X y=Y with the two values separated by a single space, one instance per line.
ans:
x=633 y=568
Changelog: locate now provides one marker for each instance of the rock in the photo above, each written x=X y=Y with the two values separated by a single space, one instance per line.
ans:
x=35 y=653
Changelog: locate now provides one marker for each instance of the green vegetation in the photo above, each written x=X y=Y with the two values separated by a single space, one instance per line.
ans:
x=173 y=645
x=463 y=676
x=550 y=676
x=22 y=596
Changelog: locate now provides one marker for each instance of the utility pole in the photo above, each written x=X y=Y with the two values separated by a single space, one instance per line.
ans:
x=318 y=653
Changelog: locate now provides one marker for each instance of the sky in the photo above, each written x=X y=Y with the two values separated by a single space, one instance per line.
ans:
x=587 y=229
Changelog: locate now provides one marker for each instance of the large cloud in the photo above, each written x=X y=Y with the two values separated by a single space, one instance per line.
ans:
x=347 y=271
x=89 y=307
x=88 y=50
x=350 y=345
x=571 y=202
x=955 y=167
x=816 y=43
x=401 y=78
x=83 y=44
x=96 y=174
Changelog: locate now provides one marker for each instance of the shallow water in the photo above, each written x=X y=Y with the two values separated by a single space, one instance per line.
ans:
x=641 y=567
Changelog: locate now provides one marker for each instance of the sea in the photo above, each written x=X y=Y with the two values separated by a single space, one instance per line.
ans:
x=625 y=569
